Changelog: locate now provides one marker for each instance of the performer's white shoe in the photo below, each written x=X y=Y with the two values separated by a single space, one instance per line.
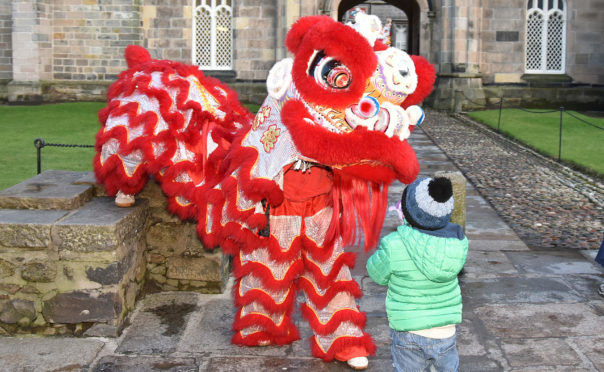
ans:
x=124 y=200
x=358 y=363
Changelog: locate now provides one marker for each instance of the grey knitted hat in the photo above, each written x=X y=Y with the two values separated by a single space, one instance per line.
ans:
x=428 y=203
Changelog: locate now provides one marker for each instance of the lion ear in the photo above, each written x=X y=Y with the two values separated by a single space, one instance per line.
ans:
x=426 y=76
x=299 y=29
x=135 y=55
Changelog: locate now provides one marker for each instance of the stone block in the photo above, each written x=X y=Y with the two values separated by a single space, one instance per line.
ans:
x=519 y=321
x=90 y=179
x=458 y=181
x=194 y=268
x=552 y=262
x=111 y=274
x=592 y=349
x=43 y=272
x=48 y=190
x=83 y=306
x=6 y=269
x=102 y=330
x=24 y=91
x=100 y=226
x=146 y=363
x=27 y=228
x=17 y=311
x=511 y=77
x=166 y=237
x=42 y=354
x=554 y=352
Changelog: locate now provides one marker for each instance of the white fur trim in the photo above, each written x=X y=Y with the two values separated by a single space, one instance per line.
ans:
x=399 y=121
x=415 y=114
x=394 y=61
x=368 y=25
x=429 y=205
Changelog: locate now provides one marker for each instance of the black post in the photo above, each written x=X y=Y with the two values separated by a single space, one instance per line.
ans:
x=39 y=143
x=560 y=137
x=500 y=106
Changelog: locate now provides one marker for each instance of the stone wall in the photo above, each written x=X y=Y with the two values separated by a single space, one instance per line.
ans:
x=474 y=96
x=89 y=38
x=6 y=70
x=73 y=49
x=255 y=39
x=166 y=27
x=73 y=262
x=176 y=258
x=502 y=35
x=584 y=40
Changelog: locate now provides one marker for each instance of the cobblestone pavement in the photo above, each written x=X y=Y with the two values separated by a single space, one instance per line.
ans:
x=548 y=205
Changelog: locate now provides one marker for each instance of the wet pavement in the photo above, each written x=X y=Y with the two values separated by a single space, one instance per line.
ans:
x=525 y=309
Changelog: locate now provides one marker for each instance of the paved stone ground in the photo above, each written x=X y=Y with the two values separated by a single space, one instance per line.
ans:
x=547 y=204
x=526 y=308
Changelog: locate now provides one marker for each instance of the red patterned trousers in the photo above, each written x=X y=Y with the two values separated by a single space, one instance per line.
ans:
x=298 y=258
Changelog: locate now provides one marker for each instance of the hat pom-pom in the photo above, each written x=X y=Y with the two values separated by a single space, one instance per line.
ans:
x=440 y=189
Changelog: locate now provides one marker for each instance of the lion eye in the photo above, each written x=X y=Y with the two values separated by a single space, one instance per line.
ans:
x=337 y=77
x=329 y=72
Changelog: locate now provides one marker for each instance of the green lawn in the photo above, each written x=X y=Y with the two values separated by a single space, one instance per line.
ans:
x=68 y=123
x=64 y=123
x=582 y=143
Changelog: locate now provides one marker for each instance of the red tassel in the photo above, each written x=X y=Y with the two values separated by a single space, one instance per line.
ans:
x=254 y=339
x=337 y=318
x=340 y=344
x=264 y=273
x=320 y=301
x=257 y=295
x=260 y=320
x=324 y=280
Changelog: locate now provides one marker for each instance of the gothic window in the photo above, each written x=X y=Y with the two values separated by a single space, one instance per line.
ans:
x=213 y=34
x=545 y=36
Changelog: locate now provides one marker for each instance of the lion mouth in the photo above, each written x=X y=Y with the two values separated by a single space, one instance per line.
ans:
x=377 y=121
x=387 y=118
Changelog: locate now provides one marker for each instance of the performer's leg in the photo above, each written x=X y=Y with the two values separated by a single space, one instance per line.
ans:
x=120 y=173
x=265 y=291
x=330 y=294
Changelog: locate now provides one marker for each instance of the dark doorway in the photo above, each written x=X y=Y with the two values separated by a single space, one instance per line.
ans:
x=410 y=26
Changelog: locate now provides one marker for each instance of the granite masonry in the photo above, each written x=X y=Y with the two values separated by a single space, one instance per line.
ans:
x=74 y=263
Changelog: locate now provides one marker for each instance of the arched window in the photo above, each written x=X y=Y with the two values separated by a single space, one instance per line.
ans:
x=213 y=34
x=545 y=36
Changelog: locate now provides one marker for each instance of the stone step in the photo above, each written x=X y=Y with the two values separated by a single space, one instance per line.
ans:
x=62 y=267
x=26 y=228
x=99 y=226
x=71 y=259
x=52 y=189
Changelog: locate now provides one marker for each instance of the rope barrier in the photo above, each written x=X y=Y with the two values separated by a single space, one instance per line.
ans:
x=534 y=112
x=561 y=110
x=39 y=143
x=584 y=121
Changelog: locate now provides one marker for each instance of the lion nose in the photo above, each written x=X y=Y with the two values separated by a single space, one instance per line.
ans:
x=367 y=107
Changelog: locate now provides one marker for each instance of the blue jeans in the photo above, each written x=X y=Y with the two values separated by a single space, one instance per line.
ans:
x=600 y=255
x=415 y=353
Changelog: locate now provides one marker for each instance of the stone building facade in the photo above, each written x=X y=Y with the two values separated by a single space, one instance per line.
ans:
x=55 y=50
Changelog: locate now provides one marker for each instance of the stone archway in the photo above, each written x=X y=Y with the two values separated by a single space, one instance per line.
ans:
x=413 y=10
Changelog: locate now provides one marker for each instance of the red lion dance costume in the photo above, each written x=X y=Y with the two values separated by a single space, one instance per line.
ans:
x=284 y=192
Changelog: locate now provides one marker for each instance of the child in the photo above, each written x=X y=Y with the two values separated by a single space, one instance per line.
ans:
x=419 y=263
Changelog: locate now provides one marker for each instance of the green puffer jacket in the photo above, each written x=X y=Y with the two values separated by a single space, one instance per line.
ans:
x=420 y=269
